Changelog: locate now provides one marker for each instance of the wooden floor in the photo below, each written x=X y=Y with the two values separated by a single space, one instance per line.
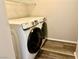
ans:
x=56 y=50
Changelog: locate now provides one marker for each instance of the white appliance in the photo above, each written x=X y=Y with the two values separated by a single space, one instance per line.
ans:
x=29 y=35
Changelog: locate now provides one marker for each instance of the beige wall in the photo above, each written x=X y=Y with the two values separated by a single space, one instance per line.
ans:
x=61 y=17
x=17 y=9
x=6 y=49
x=25 y=1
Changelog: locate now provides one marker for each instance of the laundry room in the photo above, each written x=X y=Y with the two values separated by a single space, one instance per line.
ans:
x=42 y=29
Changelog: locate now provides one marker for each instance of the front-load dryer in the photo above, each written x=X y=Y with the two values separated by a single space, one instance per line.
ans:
x=27 y=36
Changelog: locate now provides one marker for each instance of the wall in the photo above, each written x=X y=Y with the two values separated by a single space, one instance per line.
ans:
x=24 y=1
x=61 y=17
x=6 y=49
x=16 y=9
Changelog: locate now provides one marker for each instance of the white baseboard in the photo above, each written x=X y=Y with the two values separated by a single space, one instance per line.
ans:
x=65 y=41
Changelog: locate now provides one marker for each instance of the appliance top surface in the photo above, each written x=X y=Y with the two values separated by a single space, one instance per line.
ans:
x=24 y=20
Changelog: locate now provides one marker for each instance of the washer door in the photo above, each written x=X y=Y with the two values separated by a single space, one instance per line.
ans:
x=34 y=40
x=44 y=30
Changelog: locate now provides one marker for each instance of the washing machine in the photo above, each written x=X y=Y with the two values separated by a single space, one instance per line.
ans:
x=28 y=36
x=44 y=30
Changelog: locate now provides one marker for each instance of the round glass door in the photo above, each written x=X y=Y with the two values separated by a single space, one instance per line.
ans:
x=34 y=40
x=44 y=30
